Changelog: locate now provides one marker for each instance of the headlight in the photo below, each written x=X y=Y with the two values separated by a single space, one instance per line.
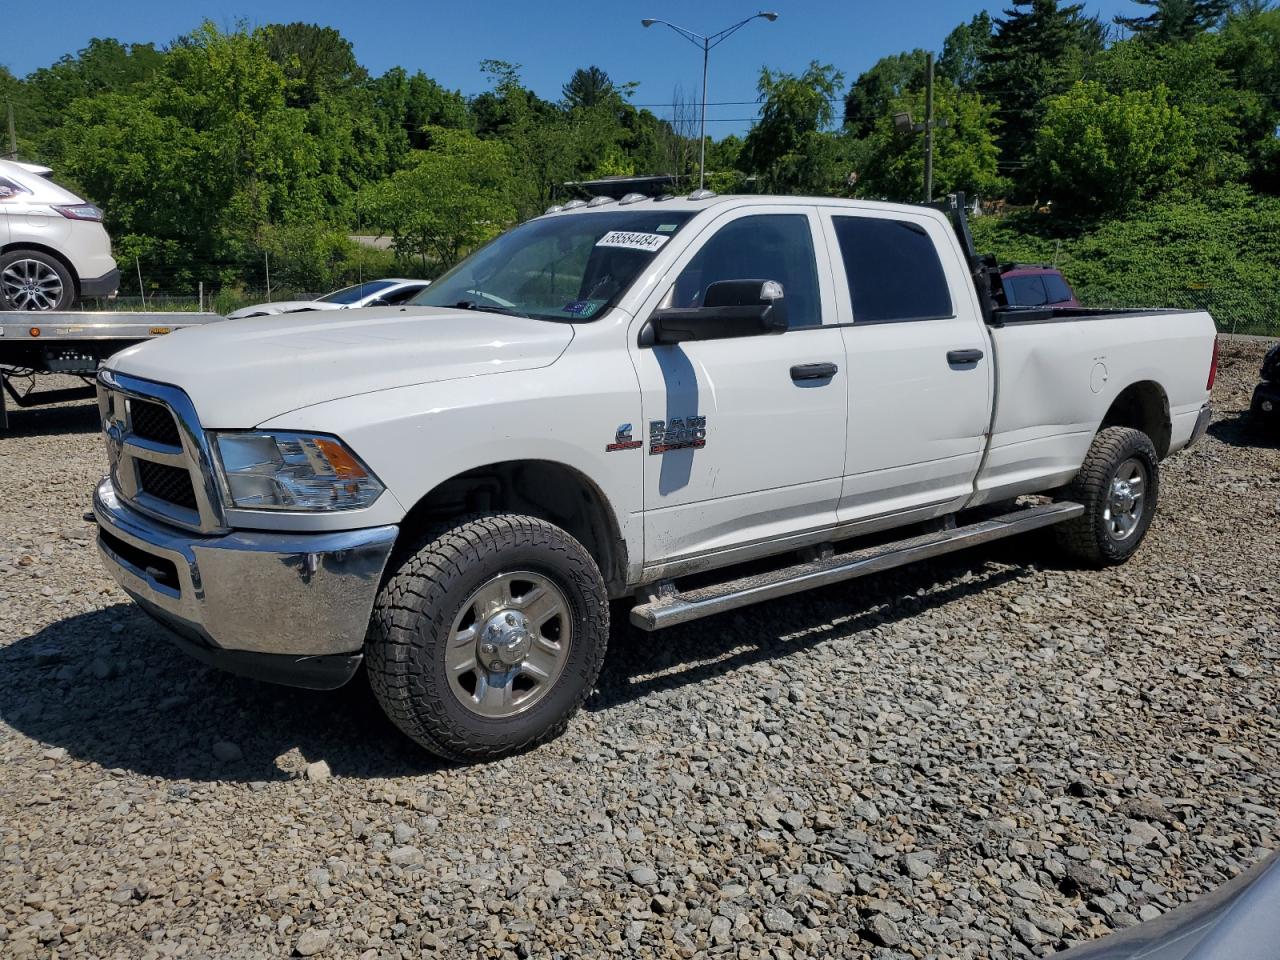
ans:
x=292 y=471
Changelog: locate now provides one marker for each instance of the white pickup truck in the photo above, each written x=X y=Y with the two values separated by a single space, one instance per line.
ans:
x=693 y=403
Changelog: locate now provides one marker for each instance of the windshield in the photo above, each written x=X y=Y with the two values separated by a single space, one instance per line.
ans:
x=558 y=268
x=358 y=292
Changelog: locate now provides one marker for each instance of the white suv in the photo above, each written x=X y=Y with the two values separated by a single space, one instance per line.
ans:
x=53 y=247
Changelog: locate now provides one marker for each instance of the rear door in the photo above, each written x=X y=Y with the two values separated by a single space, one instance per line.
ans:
x=741 y=443
x=920 y=370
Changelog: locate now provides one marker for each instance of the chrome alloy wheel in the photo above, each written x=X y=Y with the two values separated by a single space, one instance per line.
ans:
x=1126 y=499
x=30 y=285
x=509 y=644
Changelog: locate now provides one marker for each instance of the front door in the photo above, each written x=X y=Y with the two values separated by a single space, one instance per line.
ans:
x=742 y=442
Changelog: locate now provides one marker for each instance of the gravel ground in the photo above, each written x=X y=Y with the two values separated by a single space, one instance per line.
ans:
x=994 y=755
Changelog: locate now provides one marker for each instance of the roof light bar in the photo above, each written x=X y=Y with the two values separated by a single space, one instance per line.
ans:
x=702 y=195
x=554 y=208
x=575 y=204
x=632 y=198
x=599 y=201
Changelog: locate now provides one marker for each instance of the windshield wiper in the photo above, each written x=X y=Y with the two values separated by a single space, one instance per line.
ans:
x=488 y=308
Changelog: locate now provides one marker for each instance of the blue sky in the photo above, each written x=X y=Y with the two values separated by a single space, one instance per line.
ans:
x=550 y=39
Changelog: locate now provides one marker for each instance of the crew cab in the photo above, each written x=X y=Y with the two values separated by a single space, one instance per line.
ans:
x=691 y=403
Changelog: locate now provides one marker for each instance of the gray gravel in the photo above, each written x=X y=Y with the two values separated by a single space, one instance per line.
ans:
x=991 y=756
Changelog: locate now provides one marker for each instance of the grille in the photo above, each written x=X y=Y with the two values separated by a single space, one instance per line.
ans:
x=170 y=484
x=151 y=421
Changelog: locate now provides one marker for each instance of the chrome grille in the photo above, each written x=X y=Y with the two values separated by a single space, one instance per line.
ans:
x=170 y=484
x=151 y=421
x=160 y=462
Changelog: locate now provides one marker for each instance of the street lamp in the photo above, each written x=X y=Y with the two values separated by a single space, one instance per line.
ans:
x=706 y=43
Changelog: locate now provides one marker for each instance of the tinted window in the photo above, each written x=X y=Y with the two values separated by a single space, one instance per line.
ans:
x=762 y=247
x=893 y=271
x=358 y=292
x=1025 y=291
x=1057 y=288
x=403 y=296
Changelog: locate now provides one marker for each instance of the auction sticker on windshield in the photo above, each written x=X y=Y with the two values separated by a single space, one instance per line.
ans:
x=629 y=240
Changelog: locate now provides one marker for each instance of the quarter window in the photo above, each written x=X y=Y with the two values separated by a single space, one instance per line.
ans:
x=893 y=271
x=767 y=246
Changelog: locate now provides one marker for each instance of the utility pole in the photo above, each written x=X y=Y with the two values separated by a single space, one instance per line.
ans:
x=928 y=130
x=13 y=135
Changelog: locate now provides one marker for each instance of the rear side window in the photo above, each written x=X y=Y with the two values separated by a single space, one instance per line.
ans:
x=893 y=271
x=1056 y=288
x=10 y=189
x=1025 y=291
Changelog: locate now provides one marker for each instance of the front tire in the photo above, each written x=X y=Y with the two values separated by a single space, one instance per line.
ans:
x=489 y=637
x=1119 y=485
x=34 y=280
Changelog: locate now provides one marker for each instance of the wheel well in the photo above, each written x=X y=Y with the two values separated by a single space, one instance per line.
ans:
x=540 y=488
x=1143 y=406
x=26 y=245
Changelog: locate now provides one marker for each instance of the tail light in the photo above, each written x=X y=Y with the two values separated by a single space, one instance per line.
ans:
x=79 y=211
x=1213 y=366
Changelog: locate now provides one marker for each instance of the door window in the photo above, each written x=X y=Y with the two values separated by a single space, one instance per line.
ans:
x=767 y=246
x=893 y=270
x=403 y=296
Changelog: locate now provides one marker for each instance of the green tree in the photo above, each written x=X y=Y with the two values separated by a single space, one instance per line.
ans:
x=588 y=87
x=963 y=51
x=1173 y=20
x=1101 y=153
x=867 y=101
x=449 y=199
x=790 y=148
x=1039 y=49
x=965 y=153
x=316 y=61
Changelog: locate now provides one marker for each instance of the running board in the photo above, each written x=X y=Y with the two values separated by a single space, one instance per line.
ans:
x=670 y=609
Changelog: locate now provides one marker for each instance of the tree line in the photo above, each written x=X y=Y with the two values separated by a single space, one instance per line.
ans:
x=228 y=153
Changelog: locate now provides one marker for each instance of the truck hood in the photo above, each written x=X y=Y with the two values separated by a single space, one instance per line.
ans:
x=239 y=373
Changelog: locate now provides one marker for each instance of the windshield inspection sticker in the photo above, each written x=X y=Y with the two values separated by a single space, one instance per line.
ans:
x=582 y=308
x=627 y=240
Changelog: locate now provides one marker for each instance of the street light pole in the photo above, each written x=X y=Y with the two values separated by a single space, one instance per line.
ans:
x=706 y=43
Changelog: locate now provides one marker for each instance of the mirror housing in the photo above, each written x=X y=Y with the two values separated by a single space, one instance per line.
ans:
x=730 y=308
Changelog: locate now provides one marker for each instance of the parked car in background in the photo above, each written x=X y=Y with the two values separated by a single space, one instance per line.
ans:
x=1266 y=396
x=371 y=293
x=1029 y=285
x=53 y=247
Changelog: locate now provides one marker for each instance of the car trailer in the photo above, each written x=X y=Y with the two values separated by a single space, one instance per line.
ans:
x=34 y=343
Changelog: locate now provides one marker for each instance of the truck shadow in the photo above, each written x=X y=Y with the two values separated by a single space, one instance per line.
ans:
x=1244 y=430
x=108 y=686
x=642 y=663
x=70 y=418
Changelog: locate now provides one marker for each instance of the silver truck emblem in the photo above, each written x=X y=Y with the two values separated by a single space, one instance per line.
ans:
x=679 y=433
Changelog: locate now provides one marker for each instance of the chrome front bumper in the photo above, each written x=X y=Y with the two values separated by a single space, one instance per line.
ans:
x=287 y=607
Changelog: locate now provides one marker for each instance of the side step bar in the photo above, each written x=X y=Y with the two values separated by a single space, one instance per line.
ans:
x=670 y=609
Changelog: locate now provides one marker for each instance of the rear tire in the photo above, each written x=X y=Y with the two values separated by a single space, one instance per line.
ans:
x=1119 y=485
x=489 y=637
x=34 y=280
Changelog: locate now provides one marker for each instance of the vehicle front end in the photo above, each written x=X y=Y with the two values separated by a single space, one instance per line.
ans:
x=175 y=520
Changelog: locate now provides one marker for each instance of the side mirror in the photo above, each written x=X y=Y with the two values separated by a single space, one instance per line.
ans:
x=730 y=308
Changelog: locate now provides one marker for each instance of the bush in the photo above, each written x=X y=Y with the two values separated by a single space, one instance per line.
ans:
x=1217 y=252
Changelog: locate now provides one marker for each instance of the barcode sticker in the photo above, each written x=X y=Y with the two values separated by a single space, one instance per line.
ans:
x=627 y=240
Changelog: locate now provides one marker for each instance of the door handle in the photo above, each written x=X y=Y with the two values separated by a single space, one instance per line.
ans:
x=814 y=371
x=958 y=357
